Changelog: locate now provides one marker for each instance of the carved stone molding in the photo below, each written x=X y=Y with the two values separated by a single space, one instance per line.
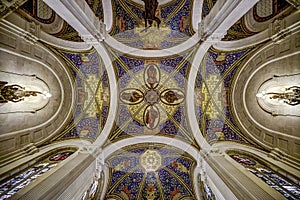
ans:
x=32 y=32
x=8 y=6
x=278 y=30
x=295 y=3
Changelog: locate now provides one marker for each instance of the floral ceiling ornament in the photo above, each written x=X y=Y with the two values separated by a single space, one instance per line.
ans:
x=151 y=160
x=152 y=96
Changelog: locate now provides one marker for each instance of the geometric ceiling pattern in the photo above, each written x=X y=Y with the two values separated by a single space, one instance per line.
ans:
x=92 y=94
x=152 y=96
x=207 y=6
x=150 y=171
x=212 y=94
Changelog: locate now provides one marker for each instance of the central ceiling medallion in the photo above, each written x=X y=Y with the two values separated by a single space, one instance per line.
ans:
x=151 y=160
x=156 y=96
x=152 y=96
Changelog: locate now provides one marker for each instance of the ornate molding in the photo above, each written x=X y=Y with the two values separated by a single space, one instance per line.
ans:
x=208 y=36
x=278 y=30
x=295 y=3
x=8 y=6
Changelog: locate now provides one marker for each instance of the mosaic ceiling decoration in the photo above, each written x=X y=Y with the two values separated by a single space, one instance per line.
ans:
x=152 y=96
x=92 y=94
x=207 y=6
x=238 y=31
x=175 y=27
x=97 y=8
x=150 y=172
x=212 y=95
x=67 y=32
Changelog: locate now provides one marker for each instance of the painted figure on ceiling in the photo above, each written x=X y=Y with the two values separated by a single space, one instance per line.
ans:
x=152 y=76
x=126 y=191
x=172 y=97
x=150 y=13
x=183 y=24
x=151 y=116
x=175 y=193
x=180 y=167
x=121 y=24
x=122 y=166
x=131 y=96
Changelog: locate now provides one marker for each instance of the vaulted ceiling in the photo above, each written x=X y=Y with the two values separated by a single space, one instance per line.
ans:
x=176 y=82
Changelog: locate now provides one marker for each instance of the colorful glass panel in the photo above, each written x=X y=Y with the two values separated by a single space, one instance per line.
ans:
x=290 y=189
x=11 y=186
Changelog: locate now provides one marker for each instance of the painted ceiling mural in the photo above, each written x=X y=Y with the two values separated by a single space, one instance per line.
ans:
x=152 y=96
x=174 y=29
x=150 y=172
x=92 y=94
x=238 y=31
x=212 y=95
x=67 y=32
x=97 y=8
x=207 y=6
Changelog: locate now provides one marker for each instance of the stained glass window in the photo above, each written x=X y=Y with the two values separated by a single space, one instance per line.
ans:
x=12 y=185
x=289 y=188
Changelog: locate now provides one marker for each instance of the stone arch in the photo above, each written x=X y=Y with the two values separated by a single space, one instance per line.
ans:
x=259 y=125
x=29 y=61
